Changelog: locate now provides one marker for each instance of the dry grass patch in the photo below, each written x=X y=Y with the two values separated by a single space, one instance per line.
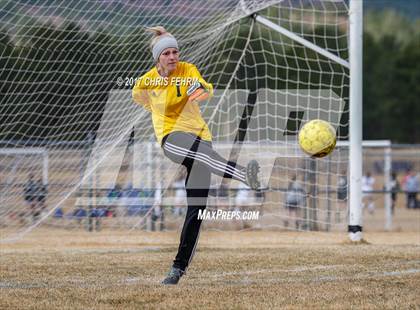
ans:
x=231 y=270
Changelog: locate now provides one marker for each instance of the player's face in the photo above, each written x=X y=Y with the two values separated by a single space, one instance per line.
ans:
x=169 y=59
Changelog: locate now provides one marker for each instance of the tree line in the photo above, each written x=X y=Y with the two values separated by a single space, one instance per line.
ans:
x=55 y=80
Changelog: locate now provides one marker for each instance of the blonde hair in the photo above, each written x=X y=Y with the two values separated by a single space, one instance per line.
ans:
x=158 y=32
x=162 y=40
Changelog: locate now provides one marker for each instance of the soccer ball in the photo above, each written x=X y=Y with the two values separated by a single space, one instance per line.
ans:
x=317 y=138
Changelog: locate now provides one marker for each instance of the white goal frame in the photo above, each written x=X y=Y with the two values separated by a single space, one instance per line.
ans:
x=355 y=64
x=386 y=145
x=355 y=118
x=11 y=151
x=347 y=13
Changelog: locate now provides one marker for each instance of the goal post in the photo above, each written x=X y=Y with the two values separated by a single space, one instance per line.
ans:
x=274 y=65
x=355 y=117
x=386 y=158
x=356 y=94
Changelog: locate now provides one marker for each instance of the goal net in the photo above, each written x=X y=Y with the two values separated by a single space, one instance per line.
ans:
x=68 y=71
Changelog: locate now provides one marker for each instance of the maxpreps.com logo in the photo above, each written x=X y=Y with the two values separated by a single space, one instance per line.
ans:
x=216 y=215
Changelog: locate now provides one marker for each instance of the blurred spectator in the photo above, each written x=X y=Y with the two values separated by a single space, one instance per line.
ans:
x=180 y=195
x=79 y=214
x=243 y=196
x=260 y=196
x=30 y=191
x=295 y=199
x=405 y=177
x=367 y=187
x=95 y=215
x=412 y=187
x=394 y=187
x=115 y=208
x=41 y=193
x=341 y=195
x=131 y=198
x=157 y=212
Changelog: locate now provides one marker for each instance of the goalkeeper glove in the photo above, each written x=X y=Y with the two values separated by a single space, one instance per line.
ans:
x=196 y=93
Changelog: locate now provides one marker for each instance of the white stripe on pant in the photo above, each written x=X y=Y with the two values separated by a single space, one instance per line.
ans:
x=200 y=160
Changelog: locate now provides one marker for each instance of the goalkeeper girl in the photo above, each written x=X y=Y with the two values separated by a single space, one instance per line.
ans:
x=172 y=91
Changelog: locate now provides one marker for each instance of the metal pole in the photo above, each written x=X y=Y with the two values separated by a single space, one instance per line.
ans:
x=387 y=175
x=301 y=40
x=150 y=165
x=328 y=227
x=91 y=184
x=356 y=88
x=45 y=160
x=313 y=191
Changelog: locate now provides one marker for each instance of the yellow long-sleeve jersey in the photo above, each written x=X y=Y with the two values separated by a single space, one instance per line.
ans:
x=167 y=100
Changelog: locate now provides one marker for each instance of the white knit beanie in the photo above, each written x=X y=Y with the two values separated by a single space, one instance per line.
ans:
x=163 y=43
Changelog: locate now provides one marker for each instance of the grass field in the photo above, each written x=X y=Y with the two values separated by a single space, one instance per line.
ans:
x=56 y=269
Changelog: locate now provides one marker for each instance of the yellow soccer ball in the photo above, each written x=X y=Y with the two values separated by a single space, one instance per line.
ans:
x=317 y=138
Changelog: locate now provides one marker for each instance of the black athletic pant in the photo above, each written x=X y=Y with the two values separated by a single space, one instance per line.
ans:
x=201 y=160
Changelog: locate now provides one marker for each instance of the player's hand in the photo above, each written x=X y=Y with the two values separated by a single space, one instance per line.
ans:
x=196 y=93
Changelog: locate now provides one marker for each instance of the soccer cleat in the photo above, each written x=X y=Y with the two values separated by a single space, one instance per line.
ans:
x=252 y=171
x=173 y=276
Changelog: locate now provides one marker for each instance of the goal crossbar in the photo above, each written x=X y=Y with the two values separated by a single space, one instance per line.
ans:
x=302 y=41
x=10 y=151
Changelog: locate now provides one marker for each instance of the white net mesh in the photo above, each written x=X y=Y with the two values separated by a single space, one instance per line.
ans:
x=68 y=70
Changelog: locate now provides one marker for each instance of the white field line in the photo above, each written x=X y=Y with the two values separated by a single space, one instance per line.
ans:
x=155 y=281
x=88 y=251
x=263 y=271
